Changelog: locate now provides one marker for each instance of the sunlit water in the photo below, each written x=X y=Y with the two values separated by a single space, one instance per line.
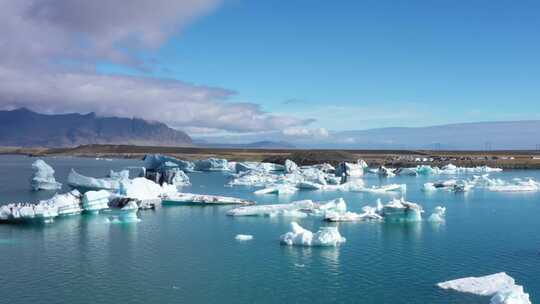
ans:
x=189 y=254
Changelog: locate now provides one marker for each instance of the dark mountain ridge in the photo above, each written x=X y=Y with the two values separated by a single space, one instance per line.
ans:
x=25 y=128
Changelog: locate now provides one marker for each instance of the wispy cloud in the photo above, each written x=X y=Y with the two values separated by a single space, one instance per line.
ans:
x=49 y=48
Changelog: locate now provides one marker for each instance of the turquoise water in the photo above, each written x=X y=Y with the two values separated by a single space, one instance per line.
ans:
x=188 y=254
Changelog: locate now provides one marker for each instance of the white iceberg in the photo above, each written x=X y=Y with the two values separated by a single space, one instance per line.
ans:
x=243 y=237
x=500 y=286
x=43 y=177
x=201 y=199
x=278 y=189
x=93 y=201
x=384 y=188
x=67 y=203
x=438 y=215
x=271 y=210
x=85 y=183
x=326 y=236
x=350 y=169
x=290 y=166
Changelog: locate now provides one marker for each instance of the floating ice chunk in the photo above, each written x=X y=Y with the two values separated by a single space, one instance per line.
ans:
x=438 y=215
x=211 y=164
x=306 y=185
x=385 y=188
x=279 y=189
x=326 y=236
x=43 y=177
x=426 y=170
x=500 y=286
x=243 y=237
x=290 y=166
x=155 y=161
x=96 y=200
x=140 y=188
x=407 y=171
x=350 y=169
x=201 y=199
x=82 y=182
x=125 y=213
x=67 y=203
x=270 y=210
x=399 y=210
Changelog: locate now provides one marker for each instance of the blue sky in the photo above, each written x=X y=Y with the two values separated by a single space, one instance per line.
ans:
x=363 y=64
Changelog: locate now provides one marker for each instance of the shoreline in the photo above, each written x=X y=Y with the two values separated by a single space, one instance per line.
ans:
x=390 y=158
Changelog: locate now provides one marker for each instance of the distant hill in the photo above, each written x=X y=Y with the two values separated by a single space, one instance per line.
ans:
x=473 y=136
x=253 y=145
x=25 y=128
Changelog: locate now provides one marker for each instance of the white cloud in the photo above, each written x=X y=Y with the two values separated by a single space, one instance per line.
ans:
x=49 y=48
x=306 y=132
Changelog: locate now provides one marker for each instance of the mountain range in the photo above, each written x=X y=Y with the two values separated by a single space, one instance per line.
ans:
x=25 y=128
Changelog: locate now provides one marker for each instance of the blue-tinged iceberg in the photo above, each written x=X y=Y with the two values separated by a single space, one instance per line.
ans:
x=501 y=287
x=399 y=210
x=346 y=169
x=212 y=164
x=43 y=177
x=94 y=201
x=326 y=236
x=155 y=161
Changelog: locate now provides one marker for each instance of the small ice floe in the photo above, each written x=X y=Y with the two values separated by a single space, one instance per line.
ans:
x=369 y=214
x=279 y=189
x=500 y=287
x=384 y=189
x=407 y=171
x=125 y=214
x=438 y=215
x=326 y=236
x=295 y=209
x=43 y=177
x=243 y=237
x=399 y=210
x=201 y=199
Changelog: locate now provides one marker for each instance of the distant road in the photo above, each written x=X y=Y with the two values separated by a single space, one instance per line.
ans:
x=392 y=158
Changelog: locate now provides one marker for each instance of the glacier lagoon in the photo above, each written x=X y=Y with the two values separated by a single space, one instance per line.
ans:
x=189 y=254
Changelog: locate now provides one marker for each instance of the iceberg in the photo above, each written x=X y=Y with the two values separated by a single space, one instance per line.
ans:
x=500 y=286
x=211 y=164
x=438 y=215
x=94 y=201
x=386 y=172
x=369 y=214
x=399 y=210
x=384 y=188
x=125 y=213
x=60 y=204
x=326 y=236
x=67 y=203
x=201 y=199
x=141 y=188
x=290 y=166
x=295 y=209
x=271 y=210
x=407 y=171
x=279 y=189
x=155 y=161
x=85 y=183
x=43 y=177
x=243 y=237
x=350 y=169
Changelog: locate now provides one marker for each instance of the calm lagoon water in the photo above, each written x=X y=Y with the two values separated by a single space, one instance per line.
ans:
x=189 y=254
